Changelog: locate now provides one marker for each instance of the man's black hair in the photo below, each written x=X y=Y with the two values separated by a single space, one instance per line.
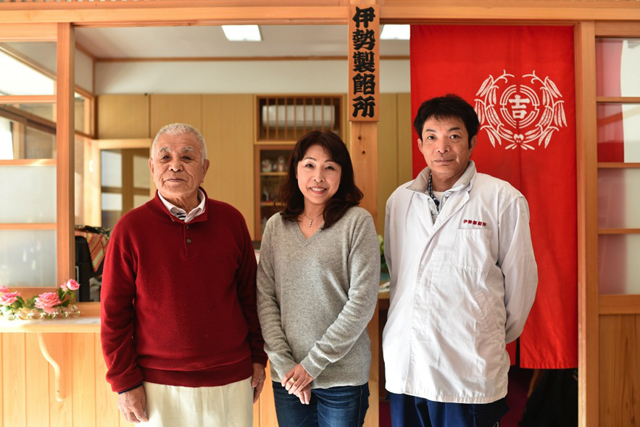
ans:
x=447 y=107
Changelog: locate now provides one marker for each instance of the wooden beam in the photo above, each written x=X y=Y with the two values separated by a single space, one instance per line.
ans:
x=619 y=304
x=587 y=169
x=422 y=12
x=28 y=99
x=156 y=13
x=618 y=29
x=246 y=58
x=65 y=153
x=109 y=144
x=26 y=33
x=28 y=162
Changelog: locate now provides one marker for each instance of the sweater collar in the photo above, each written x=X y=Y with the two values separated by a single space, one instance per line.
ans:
x=159 y=209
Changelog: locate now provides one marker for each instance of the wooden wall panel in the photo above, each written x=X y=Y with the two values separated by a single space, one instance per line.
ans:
x=405 y=138
x=123 y=116
x=387 y=153
x=83 y=393
x=619 y=367
x=267 y=404
x=167 y=109
x=14 y=405
x=228 y=123
x=59 y=346
x=37 y=383
x=107 y=414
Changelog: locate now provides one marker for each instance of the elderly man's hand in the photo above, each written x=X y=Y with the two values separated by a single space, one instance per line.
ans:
x=133 y=405
x=257 y=380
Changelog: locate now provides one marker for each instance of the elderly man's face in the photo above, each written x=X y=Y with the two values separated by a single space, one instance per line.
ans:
x=178 y=169
x=446 y=148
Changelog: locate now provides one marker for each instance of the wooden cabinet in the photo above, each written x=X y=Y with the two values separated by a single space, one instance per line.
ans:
x=271 y=168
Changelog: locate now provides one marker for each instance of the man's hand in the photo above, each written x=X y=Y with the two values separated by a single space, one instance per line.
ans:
x=296 y=380
x=257 y=380
x=133 y=405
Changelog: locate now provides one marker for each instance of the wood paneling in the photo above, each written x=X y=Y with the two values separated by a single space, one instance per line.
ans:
x=620 y=366
x=387 y=153
x=14 y=393
x=228 y=123
x=123 y=116
x=405 y=138
x=394 y=148
x=83 y=391
x=37 y=383
x=267 y=404
x=167 y=109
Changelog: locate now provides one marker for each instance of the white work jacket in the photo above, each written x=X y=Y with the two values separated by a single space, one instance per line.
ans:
x=461 y=288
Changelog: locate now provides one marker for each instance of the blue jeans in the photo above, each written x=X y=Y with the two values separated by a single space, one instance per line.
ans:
x=418 y=412
x=331 y=407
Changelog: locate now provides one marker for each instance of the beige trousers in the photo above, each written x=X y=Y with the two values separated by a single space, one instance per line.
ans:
x=230 y=405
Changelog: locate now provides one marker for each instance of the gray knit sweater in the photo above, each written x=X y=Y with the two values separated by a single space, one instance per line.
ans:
x=316 y=297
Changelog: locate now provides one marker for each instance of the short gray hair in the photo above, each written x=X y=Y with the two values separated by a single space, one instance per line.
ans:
x=175 y=129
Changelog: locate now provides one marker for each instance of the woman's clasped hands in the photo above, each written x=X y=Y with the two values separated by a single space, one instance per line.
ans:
x=298 y=381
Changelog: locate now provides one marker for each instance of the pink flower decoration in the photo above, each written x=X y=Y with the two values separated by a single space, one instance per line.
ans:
x=71 y=284
x=47 y=301
x=3 y=289
x=8 y=298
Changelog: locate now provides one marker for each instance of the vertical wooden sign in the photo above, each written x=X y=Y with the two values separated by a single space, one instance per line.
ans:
x=364 y=63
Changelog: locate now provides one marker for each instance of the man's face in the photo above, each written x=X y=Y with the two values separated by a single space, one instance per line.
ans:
x=446 y=149
x=177 y=167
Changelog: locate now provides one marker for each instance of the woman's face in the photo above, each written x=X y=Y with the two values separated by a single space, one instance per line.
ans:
x=318 y=177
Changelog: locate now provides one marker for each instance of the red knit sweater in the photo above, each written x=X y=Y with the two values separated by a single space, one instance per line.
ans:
x=179 y=300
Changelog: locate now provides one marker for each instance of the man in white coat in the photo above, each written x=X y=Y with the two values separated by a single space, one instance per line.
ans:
x=463 y=279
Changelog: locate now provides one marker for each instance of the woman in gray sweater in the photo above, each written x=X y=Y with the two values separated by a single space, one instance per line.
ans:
x=317 y=289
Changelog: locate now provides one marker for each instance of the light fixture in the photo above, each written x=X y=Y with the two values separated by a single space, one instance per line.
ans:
x=242 y=33
x=395 y=32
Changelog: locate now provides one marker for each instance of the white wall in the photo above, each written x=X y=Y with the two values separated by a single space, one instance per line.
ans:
x=240 y=77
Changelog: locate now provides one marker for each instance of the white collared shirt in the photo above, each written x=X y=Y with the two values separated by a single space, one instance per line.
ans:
x=181 y=213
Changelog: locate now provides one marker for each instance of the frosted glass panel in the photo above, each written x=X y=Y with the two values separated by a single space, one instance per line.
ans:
x=111 y=202
x=111 y=168
x=617 y=64
x=140 y=200
x=619 y=198
x=141 y=173
x=17 y=78
x=619 y=269
x=28 y=258
x=619 y=133
x=19 y=142
x=30 y=192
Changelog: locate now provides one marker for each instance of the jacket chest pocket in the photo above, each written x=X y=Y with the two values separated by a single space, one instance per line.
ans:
x=472 y=249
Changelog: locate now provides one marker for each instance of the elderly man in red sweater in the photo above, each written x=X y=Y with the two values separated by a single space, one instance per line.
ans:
x=180 y=331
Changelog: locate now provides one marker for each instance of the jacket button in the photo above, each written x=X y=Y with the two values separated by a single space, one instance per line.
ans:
x=187 y=227
x=188 y=240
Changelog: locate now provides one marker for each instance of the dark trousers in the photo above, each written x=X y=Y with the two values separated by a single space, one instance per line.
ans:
x=331 y=407
x=411 y=411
